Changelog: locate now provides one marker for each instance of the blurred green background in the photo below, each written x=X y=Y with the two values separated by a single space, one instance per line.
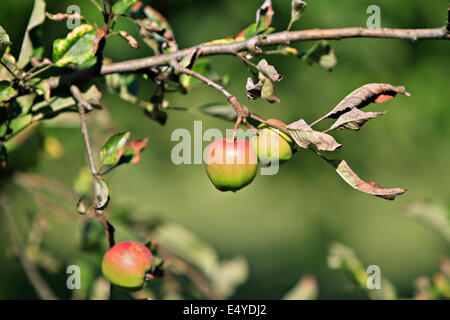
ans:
x=282 y=224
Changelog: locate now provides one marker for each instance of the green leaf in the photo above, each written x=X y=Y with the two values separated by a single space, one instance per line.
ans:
x=6 y=91
x=32 y=44
x=114 y=148
x=122 y=6
x=101 y=190
x=78 y=47
x=42 y=88
x=321 y=53
x=4 y=41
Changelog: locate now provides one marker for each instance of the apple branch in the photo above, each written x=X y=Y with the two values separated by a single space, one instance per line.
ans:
x=233 y=48
x=84 y=105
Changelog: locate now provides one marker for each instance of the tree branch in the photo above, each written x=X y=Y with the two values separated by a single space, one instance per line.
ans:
x=140 y=65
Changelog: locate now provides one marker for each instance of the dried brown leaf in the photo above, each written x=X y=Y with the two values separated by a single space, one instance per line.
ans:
x=369 y=187
x=254 y=90
x=353 y=120
x=361 y=97
x=304 y=136
x=269 y=71
x=264 y=15
x=297 y=9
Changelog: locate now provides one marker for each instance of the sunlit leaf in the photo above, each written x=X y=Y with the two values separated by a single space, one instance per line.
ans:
x=114 y=148
x=79 y=46
x=6 y=91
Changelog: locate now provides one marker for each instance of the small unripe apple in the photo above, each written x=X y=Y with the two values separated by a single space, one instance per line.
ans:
x=126 y=264
x=231 y=165
x=271 y=138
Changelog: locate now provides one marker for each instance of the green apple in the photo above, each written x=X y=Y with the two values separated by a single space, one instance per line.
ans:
x=272 y=144
x=126 y=264
x=231 y=165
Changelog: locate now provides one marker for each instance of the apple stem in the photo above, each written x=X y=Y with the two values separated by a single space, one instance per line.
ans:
x=236 y=125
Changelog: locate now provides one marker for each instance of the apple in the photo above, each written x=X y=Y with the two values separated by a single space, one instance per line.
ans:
x=126 y=264
x=269 y=138
x=231 y=165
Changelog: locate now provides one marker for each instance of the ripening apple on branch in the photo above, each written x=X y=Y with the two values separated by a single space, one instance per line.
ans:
x=230 y=165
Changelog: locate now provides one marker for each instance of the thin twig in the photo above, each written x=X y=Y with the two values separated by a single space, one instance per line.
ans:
x=109 y=229
x=32 y=75
x=32 y=272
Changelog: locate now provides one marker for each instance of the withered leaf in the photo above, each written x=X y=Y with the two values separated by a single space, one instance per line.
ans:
x=269 y=71
x=101 y=193
x=131 y=41
x=268 y=90
x=297 y=9
x=254 y=90
x=369 y=187
x=133 y=150
x=361 y=97
x=353 y=120
x=304 y=136
x=264 y=16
